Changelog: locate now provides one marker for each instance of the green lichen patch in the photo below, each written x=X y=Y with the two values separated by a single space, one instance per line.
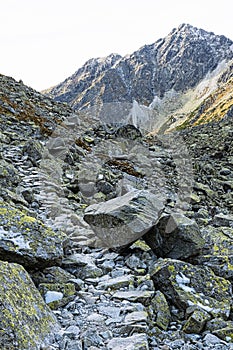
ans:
x=187 y=285
x=25 y=320
x=159 y=311
x=26 y=240
x=196 y=321
x=218 y=251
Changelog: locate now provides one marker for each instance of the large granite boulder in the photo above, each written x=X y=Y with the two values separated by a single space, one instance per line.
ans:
x=26 y=240
x=186 y=285
x=122 y=220
x=175 y=236
x=25 y=320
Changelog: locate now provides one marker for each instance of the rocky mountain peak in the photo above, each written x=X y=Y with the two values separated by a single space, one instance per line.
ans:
x=172 y=65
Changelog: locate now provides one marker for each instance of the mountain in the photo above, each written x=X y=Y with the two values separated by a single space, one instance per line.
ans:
x=217 y=105
x=170 y=77
x=111 y=237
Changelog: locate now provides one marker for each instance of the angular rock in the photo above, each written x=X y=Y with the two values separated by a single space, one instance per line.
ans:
x=143 y=297
x=122 y=220
x=136 y=316
x=82 y=266
x=26 y=240
x=54 y=274
x=9 y=176
x=25 y=320
x=196 y=321
x=117 y=282
x=135 y=342
x=223 y=220
x=211 y=340
x=225 y=333
x=218 y=251
x=187 y=285
x=217 y=323
x=159 y=311
x=175 y=236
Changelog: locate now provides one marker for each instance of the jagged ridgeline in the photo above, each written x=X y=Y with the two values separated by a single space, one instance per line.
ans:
x=116 y=221
x=175 y=80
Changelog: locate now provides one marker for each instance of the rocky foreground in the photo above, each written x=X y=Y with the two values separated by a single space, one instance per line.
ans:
x=111 y=239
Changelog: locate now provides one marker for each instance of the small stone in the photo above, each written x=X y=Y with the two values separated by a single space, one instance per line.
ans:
x=51 y=296
x=72 y=332
x=225 y=333
x=225 y=171
x=143 y=297
x=95 y=318
x=196 y=321
x=160 y=312
x=70 y=344
x=211 y=339
x=135 y=342
x=136 y=316
x=223 y=220
x=117 y=282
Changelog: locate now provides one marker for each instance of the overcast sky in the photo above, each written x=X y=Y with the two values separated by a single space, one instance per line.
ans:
x=45 y=41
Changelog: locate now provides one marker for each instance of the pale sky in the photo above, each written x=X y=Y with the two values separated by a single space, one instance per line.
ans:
x=45 y=41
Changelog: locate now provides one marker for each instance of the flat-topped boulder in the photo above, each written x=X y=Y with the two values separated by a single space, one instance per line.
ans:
x=122 y=220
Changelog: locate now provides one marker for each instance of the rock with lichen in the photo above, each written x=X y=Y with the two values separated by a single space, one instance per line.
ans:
x=218 y=251
x=25 y=320
x=159 y=311
x=26 y=240
x=186 y=285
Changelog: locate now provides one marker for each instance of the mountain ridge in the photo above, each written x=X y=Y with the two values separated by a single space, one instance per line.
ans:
x=172 y=66
x=157 y=68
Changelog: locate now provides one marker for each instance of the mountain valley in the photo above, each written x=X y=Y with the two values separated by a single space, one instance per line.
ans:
x=116 y=207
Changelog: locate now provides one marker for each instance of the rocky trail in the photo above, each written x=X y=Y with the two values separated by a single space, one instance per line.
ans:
x=127 y=237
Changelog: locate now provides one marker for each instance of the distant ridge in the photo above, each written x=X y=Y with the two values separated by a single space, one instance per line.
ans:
x=173 y=66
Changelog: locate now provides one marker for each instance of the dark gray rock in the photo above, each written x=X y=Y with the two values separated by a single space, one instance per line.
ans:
x=186 y=285
x=122 y=220
x=175 y=236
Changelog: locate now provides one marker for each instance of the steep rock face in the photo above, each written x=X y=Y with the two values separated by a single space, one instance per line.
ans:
x=217 y=105
x=178 y=62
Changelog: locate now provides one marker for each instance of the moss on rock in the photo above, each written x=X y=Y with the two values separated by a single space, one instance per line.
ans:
x=187 y=285
x=25 y=320
x=26 y=240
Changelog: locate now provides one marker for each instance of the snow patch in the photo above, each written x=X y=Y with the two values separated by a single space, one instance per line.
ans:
x=204 y=307
x=51 y=296
x=182 y=279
